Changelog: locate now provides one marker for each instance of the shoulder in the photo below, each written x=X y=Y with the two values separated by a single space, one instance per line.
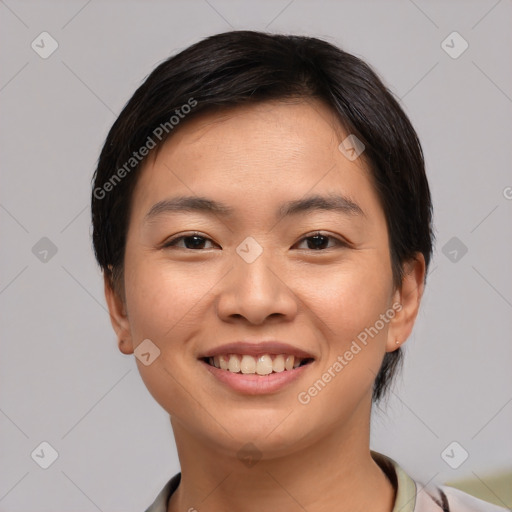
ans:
x=449 y=499
x=413 y=496
x=462 y=501
x=161 y=501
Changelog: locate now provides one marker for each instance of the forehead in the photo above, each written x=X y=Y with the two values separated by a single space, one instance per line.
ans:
x=249 y=154
x=287 y=126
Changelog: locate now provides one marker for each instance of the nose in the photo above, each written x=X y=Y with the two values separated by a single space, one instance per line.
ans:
x=256 y=292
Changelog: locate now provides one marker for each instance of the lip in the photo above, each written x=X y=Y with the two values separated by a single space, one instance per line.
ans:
x=256 y=349
x=252 y=384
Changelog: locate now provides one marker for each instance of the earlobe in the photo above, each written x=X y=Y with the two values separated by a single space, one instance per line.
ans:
x=409 y=298
x=118 y=317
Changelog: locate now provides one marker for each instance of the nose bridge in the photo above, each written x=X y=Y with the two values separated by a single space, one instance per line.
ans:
x=254 y=288
x=256 y=275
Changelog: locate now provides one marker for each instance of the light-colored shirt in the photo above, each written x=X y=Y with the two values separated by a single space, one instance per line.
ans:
x=411 y=496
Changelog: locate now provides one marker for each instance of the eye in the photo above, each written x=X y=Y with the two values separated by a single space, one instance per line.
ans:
x=318 y=241
x=192 y=241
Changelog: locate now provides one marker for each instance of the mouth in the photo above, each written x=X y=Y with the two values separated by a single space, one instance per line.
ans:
x=262 y=364
x=256 y=367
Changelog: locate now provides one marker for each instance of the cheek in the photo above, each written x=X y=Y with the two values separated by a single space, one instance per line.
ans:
x=350 y=297
x=164 y=297
x=165 y=306
x=349 y=302
x=349 y=305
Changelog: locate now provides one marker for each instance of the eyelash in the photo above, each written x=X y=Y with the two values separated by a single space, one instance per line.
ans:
x=173 y=241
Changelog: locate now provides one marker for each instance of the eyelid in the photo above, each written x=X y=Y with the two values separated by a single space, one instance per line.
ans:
x=340 y=241
x=177 y=238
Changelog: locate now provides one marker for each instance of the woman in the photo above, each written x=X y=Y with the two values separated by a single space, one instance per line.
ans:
x=264 y=224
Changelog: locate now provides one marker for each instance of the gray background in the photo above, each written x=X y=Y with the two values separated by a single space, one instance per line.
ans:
x=62 y=378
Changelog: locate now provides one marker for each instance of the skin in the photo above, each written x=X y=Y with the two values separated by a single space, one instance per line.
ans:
x=186 y=301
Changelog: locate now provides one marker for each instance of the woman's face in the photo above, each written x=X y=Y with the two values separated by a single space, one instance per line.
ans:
x=254 y=272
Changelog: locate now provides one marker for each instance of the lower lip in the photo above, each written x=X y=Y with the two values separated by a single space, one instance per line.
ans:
x=253 y=384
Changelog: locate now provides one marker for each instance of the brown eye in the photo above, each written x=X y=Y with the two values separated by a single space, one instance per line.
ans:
x=320 y=241
x=189 y=242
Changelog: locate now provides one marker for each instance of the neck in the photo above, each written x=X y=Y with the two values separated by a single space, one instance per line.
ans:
x=334 y=473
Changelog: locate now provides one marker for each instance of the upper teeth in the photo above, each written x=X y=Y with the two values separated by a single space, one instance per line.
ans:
x=262 y=365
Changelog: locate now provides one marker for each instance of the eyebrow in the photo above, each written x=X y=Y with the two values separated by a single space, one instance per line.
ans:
x=333 y=202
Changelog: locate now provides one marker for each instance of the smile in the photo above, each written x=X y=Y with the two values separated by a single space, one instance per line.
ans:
x=264 y=364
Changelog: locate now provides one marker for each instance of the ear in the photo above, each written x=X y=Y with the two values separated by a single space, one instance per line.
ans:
x=406 y=302
x=118 y=317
